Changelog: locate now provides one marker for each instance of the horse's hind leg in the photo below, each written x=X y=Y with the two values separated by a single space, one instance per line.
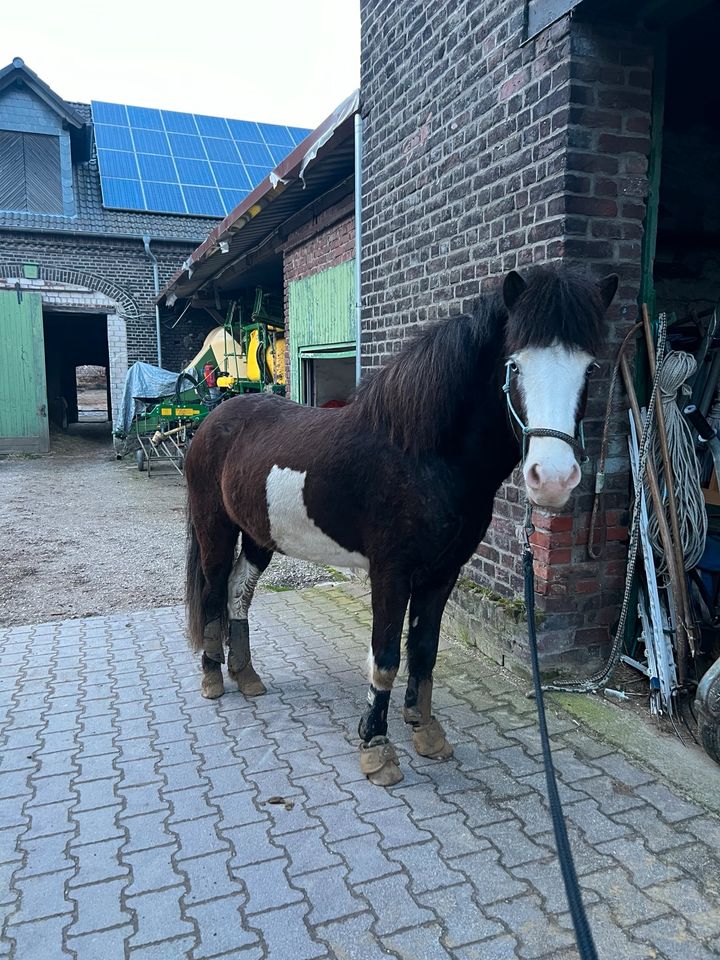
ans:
x=241 y=587
x=378 y=759
x=426 y=609
x=217 y=546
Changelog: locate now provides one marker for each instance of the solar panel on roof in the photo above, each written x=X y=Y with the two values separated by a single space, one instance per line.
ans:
x=164 y=161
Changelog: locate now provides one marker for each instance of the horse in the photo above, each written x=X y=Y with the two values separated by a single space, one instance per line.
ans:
x=399 y=482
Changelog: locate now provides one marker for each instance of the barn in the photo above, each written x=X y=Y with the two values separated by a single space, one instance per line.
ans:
x=293 y=237
x=98 y=204
x=505 y=133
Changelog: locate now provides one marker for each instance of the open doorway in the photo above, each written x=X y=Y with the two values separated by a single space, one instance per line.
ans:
x=687 y=260
x=92 y=393
x=76 y=367
x=686 y=274
x=327 y=379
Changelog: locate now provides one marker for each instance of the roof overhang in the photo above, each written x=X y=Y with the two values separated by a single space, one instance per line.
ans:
x=321 y=166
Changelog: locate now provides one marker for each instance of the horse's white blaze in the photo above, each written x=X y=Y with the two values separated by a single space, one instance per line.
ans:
x=292 y=529
x=551 y=381
x=241 y=587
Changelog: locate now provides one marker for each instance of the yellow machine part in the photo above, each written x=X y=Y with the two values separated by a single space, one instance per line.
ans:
x=226 y=381
x=276 y=363
x=274 y=360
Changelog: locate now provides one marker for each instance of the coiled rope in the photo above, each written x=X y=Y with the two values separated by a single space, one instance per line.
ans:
x=677 y=368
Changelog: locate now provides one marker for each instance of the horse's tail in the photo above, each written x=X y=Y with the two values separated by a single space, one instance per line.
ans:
x=194 y=586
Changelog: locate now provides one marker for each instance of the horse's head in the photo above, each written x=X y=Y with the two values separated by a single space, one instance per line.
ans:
x=555 y=328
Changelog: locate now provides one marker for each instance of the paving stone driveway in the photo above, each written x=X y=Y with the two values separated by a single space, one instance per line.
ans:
x=135 y=819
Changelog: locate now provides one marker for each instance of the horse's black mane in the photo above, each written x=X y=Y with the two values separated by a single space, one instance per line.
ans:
x=418 y=395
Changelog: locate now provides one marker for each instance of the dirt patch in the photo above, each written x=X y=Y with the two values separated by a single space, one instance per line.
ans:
x=86 y=534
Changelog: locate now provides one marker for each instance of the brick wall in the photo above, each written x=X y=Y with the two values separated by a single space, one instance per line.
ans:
x=120 y=269
x=325 y=242
x=483 y=154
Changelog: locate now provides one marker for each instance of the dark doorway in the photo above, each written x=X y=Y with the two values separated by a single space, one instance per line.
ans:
x=75 y=342
x=327 y=380
x=687 y=261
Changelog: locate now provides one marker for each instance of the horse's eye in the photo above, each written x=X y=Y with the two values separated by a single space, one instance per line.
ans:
x=513 y=366
x=592 y=367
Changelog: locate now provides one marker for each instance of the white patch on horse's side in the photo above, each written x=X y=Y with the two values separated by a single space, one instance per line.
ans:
x=241 y=587
x=294 y=533
x=551 y=381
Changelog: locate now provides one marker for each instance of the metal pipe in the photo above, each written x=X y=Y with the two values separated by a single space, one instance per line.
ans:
x=156 y=283
x=358 y=244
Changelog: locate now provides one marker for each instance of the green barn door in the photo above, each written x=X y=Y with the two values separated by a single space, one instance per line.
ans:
x=23 y=395
x=321 y=310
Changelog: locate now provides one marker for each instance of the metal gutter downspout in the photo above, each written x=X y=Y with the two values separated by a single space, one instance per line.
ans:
x=358 y=244
x=156 y=283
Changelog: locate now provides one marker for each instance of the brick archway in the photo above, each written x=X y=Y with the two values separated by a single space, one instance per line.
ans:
x=63 y=289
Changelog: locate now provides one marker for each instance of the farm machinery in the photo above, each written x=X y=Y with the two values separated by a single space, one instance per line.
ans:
x=162 y=410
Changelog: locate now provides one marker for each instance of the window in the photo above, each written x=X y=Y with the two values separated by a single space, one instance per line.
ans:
x=30 y=172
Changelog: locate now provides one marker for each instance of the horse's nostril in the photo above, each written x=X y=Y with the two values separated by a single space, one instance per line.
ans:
x=533 y=476
x=574 y=479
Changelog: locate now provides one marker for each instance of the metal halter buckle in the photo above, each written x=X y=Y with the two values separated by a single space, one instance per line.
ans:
x=576 y=443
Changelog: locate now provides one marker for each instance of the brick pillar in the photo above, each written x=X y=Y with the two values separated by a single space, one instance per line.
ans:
x=117 y=359
x=484 y=153
x=608 y=144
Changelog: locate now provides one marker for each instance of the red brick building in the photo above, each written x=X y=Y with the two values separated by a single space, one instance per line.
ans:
x=503 y=133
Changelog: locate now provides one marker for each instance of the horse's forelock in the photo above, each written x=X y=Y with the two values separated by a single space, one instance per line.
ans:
x=557 y=306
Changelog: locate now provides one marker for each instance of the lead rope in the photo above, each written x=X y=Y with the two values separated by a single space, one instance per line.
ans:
x=599 y=679
x=583 y=934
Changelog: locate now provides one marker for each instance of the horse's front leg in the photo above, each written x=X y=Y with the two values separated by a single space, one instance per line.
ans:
x=427 y=604
x=378 y=759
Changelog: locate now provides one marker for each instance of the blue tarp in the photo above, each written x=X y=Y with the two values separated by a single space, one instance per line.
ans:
x=143 y=380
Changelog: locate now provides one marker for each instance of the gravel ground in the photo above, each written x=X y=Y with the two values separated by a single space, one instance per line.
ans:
x=86 y=534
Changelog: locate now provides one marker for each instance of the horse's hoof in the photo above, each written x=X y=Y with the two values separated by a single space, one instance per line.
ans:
x=249 y=683
x=707 y=706
x=379 y=762
x=212 y=685
x=429 y=740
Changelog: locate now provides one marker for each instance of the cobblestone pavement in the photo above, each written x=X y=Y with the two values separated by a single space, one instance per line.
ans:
x=136 y=818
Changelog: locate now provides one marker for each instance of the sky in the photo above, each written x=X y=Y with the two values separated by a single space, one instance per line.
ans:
x=277 y=61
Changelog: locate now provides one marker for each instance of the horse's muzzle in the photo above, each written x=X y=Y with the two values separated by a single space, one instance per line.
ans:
x=551 y=488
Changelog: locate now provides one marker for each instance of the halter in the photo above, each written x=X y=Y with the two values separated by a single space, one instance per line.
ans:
x=576 y=443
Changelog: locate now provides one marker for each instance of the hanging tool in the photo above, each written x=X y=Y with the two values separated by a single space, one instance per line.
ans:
x=706 y=434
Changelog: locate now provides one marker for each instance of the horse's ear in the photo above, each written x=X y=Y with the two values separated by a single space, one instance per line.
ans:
x=608 y=288
x=513 y=287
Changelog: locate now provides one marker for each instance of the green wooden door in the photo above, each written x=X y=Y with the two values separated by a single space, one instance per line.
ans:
x=23 y=394
x=321 y=311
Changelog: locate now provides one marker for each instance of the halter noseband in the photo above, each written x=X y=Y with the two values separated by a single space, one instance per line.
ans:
x=577 y=444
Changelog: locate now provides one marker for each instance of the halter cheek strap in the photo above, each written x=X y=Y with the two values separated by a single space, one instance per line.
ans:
x=576 y=443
